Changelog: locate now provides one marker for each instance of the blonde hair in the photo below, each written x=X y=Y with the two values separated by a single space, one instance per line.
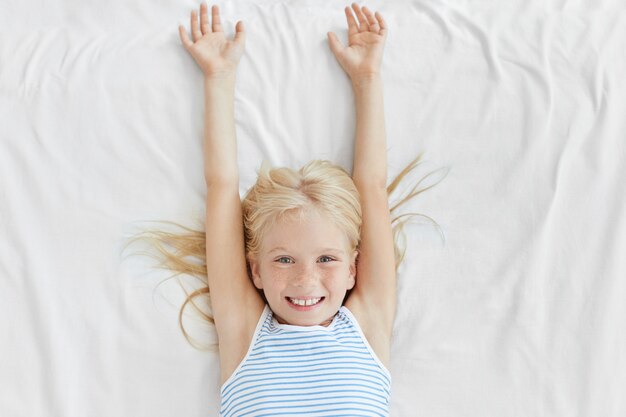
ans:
x=321 y=184
x=278 y=192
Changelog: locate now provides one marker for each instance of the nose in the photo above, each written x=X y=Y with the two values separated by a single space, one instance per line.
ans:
x=304 y=277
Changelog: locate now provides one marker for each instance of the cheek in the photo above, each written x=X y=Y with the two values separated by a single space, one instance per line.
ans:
x=277 y=279
x=335 y=278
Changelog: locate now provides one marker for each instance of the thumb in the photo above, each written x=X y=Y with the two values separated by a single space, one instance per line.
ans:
x=335 y=44
x=240 y=32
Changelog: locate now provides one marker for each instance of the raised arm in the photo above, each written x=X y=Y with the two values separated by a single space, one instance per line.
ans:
x=361 y=60
x=229 y=285
x=375 y=289
x=220 y=144
x=370 y=147
x=217 y=57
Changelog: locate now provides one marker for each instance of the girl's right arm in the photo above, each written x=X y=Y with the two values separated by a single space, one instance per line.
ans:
x=235 y=303
x=218 y=58
x=220 y=142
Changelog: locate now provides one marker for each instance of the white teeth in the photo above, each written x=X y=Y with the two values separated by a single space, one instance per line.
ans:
x=309 y=302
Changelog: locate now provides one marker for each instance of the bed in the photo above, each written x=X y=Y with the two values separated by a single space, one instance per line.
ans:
x=513 y=304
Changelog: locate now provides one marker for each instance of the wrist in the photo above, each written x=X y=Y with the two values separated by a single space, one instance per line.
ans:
x=365 y=78
x=219 y=78
x=366 y=84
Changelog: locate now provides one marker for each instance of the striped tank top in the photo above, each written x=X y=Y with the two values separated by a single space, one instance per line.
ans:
x=308 y=371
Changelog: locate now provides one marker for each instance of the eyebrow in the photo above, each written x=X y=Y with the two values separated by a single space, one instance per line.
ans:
x=320 y=250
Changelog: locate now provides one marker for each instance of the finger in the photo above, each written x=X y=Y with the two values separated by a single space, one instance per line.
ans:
x=240 y=33
x=204 y=19
x=195 y=32
x=335 y=44
x=217 y=22
x=362 y=20
x=383 y=24
x=353 y=28
x=373 y=23
x=184 y=38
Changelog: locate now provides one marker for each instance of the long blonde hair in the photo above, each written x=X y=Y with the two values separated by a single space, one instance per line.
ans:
x=277 y=191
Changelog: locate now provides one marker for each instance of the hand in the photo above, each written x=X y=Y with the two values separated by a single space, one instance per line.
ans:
x=216 y=55
x=366 y=43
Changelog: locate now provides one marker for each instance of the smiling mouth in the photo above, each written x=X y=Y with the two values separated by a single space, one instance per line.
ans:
x=305 y=302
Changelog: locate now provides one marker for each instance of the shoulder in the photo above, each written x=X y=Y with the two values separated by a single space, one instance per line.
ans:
x=237 y=336
x=370 y=323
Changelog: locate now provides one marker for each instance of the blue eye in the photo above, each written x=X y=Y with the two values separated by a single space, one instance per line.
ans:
x=278 y=260
x=323 y=257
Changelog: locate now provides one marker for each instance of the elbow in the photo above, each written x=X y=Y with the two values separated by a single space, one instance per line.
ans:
x=370 y=183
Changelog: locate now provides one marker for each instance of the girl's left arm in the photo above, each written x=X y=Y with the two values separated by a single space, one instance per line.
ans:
x=370 y=147
x=376 y=282
x=376 y=273
x=361 y=60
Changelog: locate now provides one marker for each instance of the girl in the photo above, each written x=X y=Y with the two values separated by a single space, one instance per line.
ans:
x=302 y=272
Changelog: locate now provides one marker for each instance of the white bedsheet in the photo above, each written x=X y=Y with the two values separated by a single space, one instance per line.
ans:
x=521 y=312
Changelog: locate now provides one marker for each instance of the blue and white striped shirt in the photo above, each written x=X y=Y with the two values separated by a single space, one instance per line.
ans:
x=308 y=370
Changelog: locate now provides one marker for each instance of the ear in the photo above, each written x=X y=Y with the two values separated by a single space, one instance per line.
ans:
x=254 y=270
x=353 y=270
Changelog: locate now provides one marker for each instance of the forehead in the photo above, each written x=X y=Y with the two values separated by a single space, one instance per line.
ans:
x=310 y=233
x=325 y=250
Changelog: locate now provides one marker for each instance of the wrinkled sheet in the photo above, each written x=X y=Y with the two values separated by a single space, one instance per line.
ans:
x=515 y=307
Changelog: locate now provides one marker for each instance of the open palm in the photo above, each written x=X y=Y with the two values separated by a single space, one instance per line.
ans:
x=366 y=42
x=215 y=54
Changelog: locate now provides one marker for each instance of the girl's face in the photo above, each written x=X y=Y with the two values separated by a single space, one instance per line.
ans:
x=304 y=259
